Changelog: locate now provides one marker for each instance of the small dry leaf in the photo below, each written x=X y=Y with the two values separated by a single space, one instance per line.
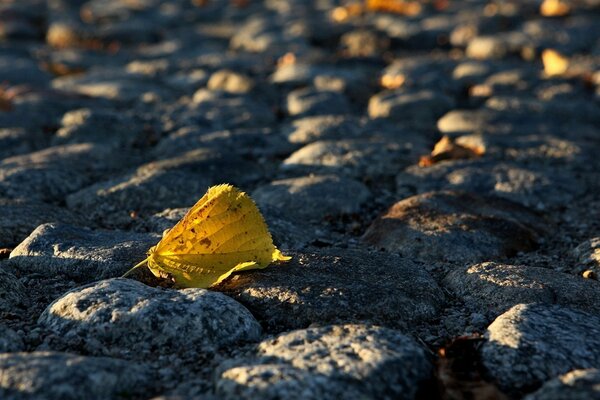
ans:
x=222 y=233
x=449 y=149
x=554 y=63
x=554 y=8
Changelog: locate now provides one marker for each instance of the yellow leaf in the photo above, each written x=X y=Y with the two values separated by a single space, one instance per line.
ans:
x=554 y=62
x=222 y=233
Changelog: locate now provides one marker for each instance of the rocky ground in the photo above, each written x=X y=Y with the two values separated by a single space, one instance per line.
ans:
x=431 y=167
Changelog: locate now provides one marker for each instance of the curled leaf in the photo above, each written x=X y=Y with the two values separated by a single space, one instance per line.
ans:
x=222 y=233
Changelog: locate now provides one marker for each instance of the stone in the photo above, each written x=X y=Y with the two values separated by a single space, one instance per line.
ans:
x=421 y=108
x=362 y=43
x=365 y=158
x=536 y=186
x=13 y=296
x=458 y=227
x=125 y=318
x=493 y=288
x=179 y=181
x=230 y=81
x=533 y=343
x=10 y=341
x=313 y=198
x=322 y=127
x=52 y=173
x=329 y=362
x=51 y=375
x=579 y=384
x=80 y=253
x=309 y=101
x=338 y=286
x=21 y=217
x=588 y=253
x=114 y=128
x=17 y=70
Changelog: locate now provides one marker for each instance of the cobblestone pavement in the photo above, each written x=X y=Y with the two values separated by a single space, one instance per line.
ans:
x=432 y=168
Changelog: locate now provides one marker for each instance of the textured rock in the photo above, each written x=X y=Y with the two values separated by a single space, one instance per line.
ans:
x=588 y=253
x=322 y=127
x=230 y=81
x=331 y=362
x=80 y=253
x=10 y=341
x=421 y=108
x=12 y=293
x=580 y=384
x=179 y=181
x=338 y=286
x=52 y=375
x=456 y=227
x=308 y=101
x=533 y=343
x=313 y=197
x=493 y=288
x=21 y=217
x=50 y=174
x=539 y=187
x=127 y=318
x=372 y=157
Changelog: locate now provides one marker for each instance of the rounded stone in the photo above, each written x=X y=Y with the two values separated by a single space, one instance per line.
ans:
x=126 y=318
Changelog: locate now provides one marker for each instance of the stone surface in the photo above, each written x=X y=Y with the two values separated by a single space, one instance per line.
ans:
x=80 y=253
x=493 y=288
x=10 y=341
x=533 y=186
x=370 y=157
x=308 y=101
x=330 y=362
x=313 y=198
x=322 y=127
x=12 y=293
x=421 y=108
x=21 y=217
x=338 y=286
x=52 y=375
x=588 y=253
x=126 y=318
x=449 y=226
x=533 y=343
x=179 y=181
x=580 y=384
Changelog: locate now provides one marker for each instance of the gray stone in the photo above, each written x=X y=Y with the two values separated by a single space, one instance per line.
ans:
x=50 y=174
x=537 y=186
x=13 y=295
x=331 y=362
x=588 y=253
x=10 y=341
x=21 y=217
x=464 y=121
x=493 y=288
x=361 y=158
x=102 y=126
x=53 y=375
x=174 y=182
x=363 y=43
x=309 y=101
x=80 y=253
x=128 y=319
x=19 y=70
x=580 y=384
x=338 y=286
x=322 y=127
x=313 y=197
x=533 y=343
x=421 y=108
x=449 y=226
